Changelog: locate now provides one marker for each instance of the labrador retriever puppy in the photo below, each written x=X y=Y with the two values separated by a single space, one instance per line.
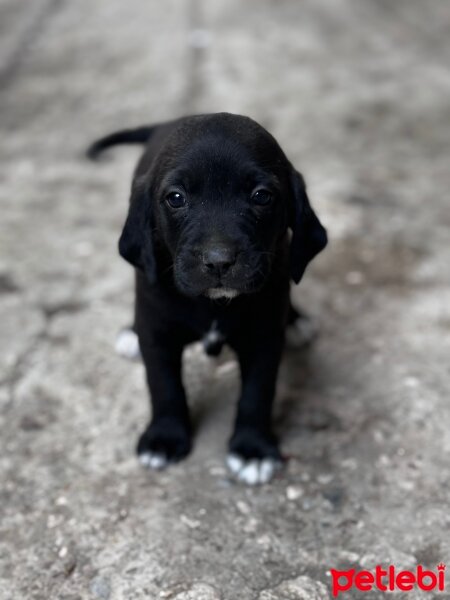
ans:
x=219 y=222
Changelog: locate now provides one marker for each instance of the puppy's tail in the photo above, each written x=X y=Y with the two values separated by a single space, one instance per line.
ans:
x=141 y=135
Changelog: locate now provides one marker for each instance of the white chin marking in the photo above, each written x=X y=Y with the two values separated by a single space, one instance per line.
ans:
x=127 y=344
x=253 y=471
x=153 y=460
x=215 y=293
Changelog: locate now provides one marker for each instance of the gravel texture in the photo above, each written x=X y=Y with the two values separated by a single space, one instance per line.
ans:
x=357 y=92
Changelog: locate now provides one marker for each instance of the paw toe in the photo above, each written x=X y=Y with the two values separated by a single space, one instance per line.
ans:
x=153 y=460
x=253 y=471
x=163 y=443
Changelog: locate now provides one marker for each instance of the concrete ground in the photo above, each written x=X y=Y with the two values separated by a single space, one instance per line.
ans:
x=357 y=92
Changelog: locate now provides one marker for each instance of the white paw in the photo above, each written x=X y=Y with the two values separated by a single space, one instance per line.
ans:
x=153 y=460
x=127 y=344
x=253 y=471
x=301 y=333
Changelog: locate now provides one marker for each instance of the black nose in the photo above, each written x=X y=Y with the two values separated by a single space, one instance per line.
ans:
x=218 y=259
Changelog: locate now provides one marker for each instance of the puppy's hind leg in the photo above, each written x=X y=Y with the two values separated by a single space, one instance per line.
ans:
x=301 y=329
x=127 y=344
x=127 y=340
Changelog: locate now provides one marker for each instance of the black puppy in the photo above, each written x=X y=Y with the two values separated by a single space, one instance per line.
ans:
x=212 y=201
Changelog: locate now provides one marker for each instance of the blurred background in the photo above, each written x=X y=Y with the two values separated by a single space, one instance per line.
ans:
x=358 y=94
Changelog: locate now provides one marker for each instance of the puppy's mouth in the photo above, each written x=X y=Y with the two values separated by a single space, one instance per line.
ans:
x=217 y=293
x=219 y=290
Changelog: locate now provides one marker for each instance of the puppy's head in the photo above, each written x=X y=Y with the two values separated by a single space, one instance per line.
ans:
x=216 y=199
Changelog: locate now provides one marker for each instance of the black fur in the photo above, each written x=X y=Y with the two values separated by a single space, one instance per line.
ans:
x=229 y=235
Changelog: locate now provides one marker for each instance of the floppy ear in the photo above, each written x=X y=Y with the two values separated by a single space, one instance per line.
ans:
x=309 y=237
x=136 y=243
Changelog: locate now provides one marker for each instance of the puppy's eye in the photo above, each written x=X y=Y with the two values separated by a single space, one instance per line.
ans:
x=175 y=200
x=262 y=197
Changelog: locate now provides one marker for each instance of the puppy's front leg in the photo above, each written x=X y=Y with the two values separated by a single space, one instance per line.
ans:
x=254 y=454
x=168 y=436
